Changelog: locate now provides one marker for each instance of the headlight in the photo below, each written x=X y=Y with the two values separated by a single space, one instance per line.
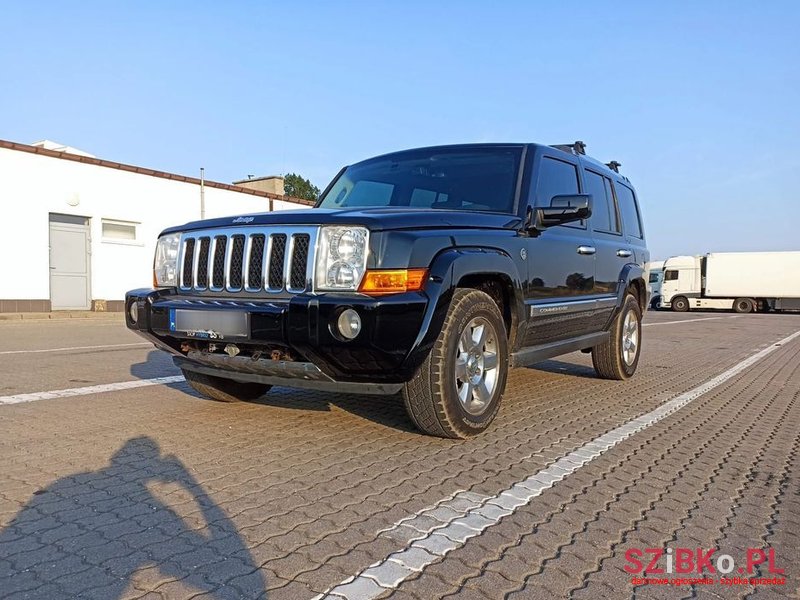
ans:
x=341 y=258
x=165 y=266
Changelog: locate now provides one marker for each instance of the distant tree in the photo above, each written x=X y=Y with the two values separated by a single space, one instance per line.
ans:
x=294 y=185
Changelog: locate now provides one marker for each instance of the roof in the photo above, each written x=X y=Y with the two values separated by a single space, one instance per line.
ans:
x=90 y=160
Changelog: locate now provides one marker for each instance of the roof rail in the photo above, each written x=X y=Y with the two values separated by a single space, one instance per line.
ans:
x=576 y=148
x=614 y=165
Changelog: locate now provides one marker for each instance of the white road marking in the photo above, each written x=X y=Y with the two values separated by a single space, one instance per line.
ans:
x=688 y=320
x=70 y=348
x=92 y=389
x=428 y=535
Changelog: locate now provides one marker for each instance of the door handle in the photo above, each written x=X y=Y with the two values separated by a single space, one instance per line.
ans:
x=586 y=249
x=624 y=253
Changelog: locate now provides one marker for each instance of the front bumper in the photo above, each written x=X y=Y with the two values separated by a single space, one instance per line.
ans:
x=380 y=359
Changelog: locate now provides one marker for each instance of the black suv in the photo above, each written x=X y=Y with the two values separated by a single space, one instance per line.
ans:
x=426 y=272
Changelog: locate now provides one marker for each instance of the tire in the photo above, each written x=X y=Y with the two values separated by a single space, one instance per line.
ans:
x=618 y=357
x=222 y=389
x=454 y=394
x=743 y=305
x=654 y=302
x=680 y=304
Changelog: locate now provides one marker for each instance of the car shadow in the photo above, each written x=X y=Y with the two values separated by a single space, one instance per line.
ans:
x=115 y=524
x=565 y=368
x=383 y=410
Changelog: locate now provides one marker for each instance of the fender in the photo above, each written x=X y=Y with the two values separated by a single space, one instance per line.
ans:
x=448 y=270
x=630 y=273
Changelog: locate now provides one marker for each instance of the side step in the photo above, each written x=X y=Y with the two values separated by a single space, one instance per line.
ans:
x=534 y=354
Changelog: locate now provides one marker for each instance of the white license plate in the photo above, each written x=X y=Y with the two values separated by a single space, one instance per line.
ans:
x=209 y=324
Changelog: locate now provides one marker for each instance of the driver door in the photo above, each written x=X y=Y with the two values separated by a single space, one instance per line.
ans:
x=561 y=259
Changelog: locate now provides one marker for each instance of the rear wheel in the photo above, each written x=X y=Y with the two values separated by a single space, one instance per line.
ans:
x=680 y=304
x=222 y=389
x=457 y=391
x=617 y=357
x=743 y=305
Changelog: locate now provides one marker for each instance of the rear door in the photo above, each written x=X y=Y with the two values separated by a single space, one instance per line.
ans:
x=632 y=227
x=561 y=261
x=613 y=251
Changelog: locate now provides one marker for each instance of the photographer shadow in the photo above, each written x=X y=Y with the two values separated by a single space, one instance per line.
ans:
x=97 y=534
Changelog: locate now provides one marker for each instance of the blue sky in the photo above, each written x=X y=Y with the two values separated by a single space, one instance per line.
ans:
x=699 y=101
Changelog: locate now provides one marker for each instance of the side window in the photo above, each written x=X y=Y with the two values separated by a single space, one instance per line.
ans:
x=670 y=275
x=615 y=222
x=604 y=217
x=630 y=213
x=556 y=177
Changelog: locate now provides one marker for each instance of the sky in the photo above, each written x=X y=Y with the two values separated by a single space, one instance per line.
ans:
x=700 y=102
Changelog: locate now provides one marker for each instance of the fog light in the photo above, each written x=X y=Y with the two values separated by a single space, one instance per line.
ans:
x=349 y=324
x=133 y=311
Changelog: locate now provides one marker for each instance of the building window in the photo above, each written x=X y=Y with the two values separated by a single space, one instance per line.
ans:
x=119 y=231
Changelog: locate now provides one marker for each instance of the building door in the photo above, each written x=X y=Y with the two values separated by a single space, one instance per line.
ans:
x=69 y=262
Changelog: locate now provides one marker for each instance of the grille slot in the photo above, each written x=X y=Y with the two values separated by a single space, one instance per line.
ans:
x=297 y=272
x=202 y=264
x=276 y=258
x=218 y=276
x=188 y=262
x=255 y=269
x=237 y=263
x=259 y=261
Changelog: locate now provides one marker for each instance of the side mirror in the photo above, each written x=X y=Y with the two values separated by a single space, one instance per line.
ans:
x=564 y=209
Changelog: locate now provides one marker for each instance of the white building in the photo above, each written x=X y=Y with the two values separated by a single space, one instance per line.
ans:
x=77 y=232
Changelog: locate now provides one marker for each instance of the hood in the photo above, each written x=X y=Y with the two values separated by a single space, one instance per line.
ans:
x=375 y=219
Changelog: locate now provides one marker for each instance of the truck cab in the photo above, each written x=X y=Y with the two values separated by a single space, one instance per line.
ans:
x=682 y=280
x=655 y=277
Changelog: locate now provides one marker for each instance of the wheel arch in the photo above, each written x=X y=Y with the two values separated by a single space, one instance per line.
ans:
x=489 y=270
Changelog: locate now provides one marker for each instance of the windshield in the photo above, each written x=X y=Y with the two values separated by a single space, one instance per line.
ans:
x=479 y=179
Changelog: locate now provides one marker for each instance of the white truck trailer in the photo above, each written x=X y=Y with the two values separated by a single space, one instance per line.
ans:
x=742 y=281
x=655 y=276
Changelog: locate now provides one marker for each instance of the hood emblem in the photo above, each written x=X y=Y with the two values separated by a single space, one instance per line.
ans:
x=243 y=220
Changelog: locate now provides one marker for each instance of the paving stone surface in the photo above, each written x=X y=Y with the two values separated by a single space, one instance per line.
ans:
x=154 y=492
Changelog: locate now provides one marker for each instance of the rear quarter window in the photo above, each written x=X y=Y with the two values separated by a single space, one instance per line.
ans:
x=629 y=210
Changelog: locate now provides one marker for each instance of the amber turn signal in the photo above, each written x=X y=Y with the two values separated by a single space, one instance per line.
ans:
x=394 y=281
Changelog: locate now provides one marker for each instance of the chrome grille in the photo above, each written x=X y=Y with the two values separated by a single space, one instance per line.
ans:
x=262 y=261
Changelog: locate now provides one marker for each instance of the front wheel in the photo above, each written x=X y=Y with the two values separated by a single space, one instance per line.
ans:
x=456 y=391
x=680 y=304
x=617 y=357
x=222 y=389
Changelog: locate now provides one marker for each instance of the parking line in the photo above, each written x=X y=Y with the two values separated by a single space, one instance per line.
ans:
x=466 y=514
x=688 y=320
x=138 y=344
x=92 y=389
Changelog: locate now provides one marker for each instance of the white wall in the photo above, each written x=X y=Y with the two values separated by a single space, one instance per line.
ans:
x=32 y=186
